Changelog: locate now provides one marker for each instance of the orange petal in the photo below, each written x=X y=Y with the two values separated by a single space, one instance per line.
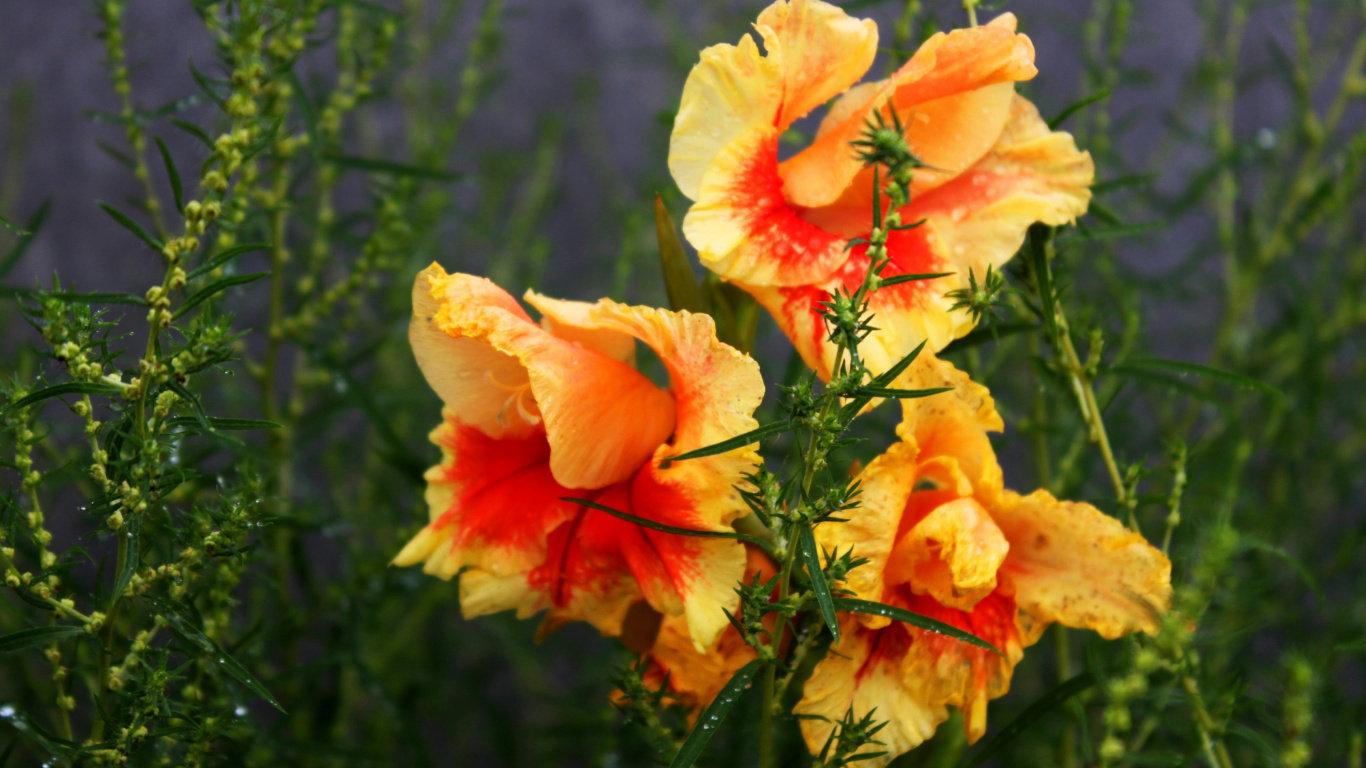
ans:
x=952 y=423
x=746 y=231
x=492 y=503
x=946 y=671
x=603 y=418
x=813 y=52
x=863 y=673
x=952 y=555
x=473 y=379
x=1075 y=565
x=951 y=96
x=885 y=485
x=573 y=321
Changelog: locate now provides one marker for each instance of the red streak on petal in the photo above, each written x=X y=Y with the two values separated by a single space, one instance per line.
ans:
x=776 y=228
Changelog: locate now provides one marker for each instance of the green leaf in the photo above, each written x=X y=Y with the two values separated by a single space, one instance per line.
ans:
x=191 y=634
x=74 y=298
x=739 y=441
x=221 y=258
x=1032 y=714
x=856 y=404
x=899 y=279
x=980 y=336
x=914 y=619
x=806 y=544
x=9 y=260
x=712 y=718
x=132 y=226
x=661 y=527
x=901 y=394
x=1043 y=278
x=1079 y=105
x=1195 y=369
x=28 y=638
x=1110 y=185
x=193 y=130
x=215 y=287
x=215 y=423
x=132 y=557
x=65 y=388
x=117 y=155
x=679 y=282
x=1114 y=233
x=393 y=169
x=1296 y=564
x=174 y=175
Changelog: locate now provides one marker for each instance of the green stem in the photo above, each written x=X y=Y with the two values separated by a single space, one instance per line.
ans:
x=107 y=641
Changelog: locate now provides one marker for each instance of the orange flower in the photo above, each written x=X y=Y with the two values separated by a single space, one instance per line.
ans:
x=535 y=413
x=696 y=677
x=779 y=230
x=946 y=540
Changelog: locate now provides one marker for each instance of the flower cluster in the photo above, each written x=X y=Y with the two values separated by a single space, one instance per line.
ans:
x=561 y=486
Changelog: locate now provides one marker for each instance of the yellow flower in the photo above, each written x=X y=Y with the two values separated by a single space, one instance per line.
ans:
x=536 y=413
x=780 y=230
x=945 y=539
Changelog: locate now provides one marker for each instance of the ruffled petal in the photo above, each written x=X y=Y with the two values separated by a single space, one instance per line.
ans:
x=952 y=423
x=951 y=96
x=602 y=417
x=821 y=50
x=473 y=379
x=864 y=672
x=492 y=503
x=1075 y=565
x=813 y=52
x=573 y=321
x=884 y=486
x=944 y=671
x=952 y=554
x=743 y=228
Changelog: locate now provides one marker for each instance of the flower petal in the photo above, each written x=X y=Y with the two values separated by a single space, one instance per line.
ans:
x=952 y=554
x=945 y=93
x=945 y=671
x=743 y=228
x=1072 y=564
x=602 y=417
x=573 y=322
x=861 y=674
x=953 y=423
x=492 y=503
x=814 y=51
x=465 y=372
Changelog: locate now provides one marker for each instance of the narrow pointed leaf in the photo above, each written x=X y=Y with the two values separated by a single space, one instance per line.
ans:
x=393 y=169
x=219 y=259
x=132 y=226
x=29 y=638
x=1121 y=182
x=806 y=543
x=1032 y=714
x=739 y=441
x=712 y=718
x=1043 y=278
x=65 y=388
x=980 y=336
x=131 y=559
x=35 y=223
x=679 y=282
x=899 y=279
x=857 y=403
x=203 y=643
x=902 y=394
x=1079 y=105
x=1195 y=369
x=193 y=130
x=174 y=175
x=662 y=528
x=217 y=286
x=914 y=619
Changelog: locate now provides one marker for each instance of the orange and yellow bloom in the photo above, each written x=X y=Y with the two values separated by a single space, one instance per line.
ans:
x=780 y=229
x=946 y=540
x=536 y=413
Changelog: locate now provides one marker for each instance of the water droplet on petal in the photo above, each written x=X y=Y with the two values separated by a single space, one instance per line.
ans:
x=958 y=213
